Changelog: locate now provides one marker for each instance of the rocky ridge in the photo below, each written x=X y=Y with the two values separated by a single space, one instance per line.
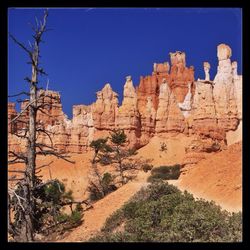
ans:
x=168 y=102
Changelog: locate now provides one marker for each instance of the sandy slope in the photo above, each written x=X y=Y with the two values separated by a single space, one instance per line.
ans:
x=95 y=218
x=175 y=149
x=218 y=178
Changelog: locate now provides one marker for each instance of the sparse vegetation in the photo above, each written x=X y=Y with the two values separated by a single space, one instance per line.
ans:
x=163 y=147
x=99 y=189
x=33 y=204
x=113 y=151
x=165 y=173
x=162 y=213
x=147 y=167
x=50 y=201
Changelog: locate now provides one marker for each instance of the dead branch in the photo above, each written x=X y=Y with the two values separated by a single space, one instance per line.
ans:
x=21 y=93
x=45 y=165
x=14 y=162
x=45 y=132
x=16 y=171
x=18 y=156
x=21 y=135
x=58 y=155
x=19 y=198
x=39 y=171
x=21 y=45
x=26 y=107
x=42 y=111
x=41 y=145
x=16 y=179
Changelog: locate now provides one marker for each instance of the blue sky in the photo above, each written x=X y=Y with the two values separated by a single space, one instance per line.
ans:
x=89 y=47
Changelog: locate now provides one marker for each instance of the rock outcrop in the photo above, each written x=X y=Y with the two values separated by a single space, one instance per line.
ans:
x=12 y=113
x=128 y=117
x=149 y=86
x=180 y=76
x=105 y=109
x=168 y=117
x=224 y=91
x=168 y=102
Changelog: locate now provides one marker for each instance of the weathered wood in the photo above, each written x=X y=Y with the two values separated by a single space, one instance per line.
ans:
x=28 y=203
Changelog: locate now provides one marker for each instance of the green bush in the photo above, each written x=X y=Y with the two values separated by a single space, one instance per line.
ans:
x=147 y=167
x=105 y=186
x=113 y=221
x=165 y=173
x=75 y=218
x=162 y=213
x=54 y=191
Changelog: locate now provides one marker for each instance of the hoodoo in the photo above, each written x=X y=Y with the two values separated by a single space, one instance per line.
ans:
x=167 y=102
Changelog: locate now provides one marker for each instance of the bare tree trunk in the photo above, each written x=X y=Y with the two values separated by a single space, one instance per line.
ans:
x=27 y=229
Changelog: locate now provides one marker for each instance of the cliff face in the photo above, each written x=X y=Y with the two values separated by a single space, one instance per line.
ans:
x=167 y=102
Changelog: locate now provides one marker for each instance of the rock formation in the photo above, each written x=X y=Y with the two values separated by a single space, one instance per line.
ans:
x=128 y=117
x=148 y=119
x=224 y=91
x=12 y=127
x=149 y=86
x=180 y=76
x=186 y=105
x=206 y=66
x=105 y=108
x=167 y=102
x=168 y=117
x=237 y=80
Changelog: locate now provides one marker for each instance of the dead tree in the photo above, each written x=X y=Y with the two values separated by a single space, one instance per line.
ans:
x=27 y=182
x=26 y=229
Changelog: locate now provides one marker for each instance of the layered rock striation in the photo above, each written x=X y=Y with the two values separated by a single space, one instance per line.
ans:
x=167 y=102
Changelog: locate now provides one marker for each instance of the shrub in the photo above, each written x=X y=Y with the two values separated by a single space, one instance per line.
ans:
x=147 y=167
x=165 y=173
x=54 y=191
x=75 y=218
x=162 y=213
x=113 y=221
x=163 y=147
x=97 y=190
x=94 y=192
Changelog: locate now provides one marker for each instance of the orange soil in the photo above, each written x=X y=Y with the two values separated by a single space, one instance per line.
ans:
x=218 y=177
x=173 y=155
x=95 y=218
x=74 y=176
